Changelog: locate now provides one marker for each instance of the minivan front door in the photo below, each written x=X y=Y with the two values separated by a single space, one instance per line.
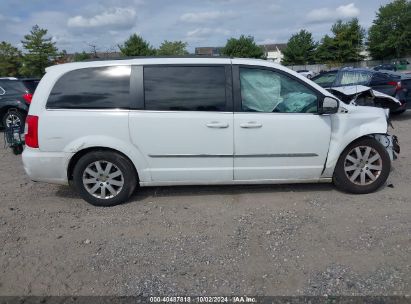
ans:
x=277 y=133
x=185 y=130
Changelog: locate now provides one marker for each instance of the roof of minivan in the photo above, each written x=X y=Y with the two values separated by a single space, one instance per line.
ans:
x=161 y=60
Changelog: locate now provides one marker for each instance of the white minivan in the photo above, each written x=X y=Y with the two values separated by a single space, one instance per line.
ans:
x=107 y=126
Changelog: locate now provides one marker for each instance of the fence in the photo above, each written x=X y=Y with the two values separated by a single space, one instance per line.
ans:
x=317 y=68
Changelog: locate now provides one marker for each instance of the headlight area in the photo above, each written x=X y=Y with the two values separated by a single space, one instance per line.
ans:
x=390 y=142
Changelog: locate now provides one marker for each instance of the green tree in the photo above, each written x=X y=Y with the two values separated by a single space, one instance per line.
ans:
x=325 y=52
x=348 y=40
x=10 y=59
x=136 y=46
x=168 y=48
x=242 y=47
x=40 y=52
x=390 y=34
x=345 y=45
x=81 y=56
x=300 y=49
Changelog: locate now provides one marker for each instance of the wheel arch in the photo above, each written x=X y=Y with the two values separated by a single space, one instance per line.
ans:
x=79 y=154
x=332 y=160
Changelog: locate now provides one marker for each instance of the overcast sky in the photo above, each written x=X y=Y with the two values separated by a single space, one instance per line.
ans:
x=75 y=24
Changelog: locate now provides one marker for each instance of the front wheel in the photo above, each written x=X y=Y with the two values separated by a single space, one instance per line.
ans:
x=363 y=167
x=104 y=178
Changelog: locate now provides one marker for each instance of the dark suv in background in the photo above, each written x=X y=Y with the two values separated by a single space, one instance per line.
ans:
x=16 y=95
x=387 y=82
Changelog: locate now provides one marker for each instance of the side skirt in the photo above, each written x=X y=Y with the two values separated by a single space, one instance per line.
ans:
x=236 y=182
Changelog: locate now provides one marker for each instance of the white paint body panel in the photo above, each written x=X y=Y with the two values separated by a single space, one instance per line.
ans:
x=178 y=146
x=142 y=134
x=280 y=134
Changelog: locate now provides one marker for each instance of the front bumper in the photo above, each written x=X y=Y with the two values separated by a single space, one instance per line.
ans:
x=390 y=142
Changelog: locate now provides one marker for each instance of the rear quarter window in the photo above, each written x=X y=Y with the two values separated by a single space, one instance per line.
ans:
x=92 y=88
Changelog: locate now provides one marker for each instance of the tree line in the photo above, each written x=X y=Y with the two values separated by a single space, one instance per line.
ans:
x=388 y=37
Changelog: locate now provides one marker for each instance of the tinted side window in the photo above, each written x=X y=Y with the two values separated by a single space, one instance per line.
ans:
x=269 y=91
x=185 y=88
x=13 y=87
x=92 y=88
x=2 y=89
x=379 y=79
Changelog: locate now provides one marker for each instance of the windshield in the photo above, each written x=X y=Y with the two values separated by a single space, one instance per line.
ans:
x=325 y=80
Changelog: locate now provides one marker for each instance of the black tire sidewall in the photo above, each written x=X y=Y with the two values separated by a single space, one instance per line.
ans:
x=125 y=166
x=341 y=180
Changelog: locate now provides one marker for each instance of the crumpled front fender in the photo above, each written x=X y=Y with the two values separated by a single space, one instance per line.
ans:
x=349 y=125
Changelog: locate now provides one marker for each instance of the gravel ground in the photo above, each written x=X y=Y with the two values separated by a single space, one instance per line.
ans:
x=255 y=240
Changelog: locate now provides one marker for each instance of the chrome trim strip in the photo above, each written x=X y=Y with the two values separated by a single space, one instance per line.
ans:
x=187 y=155
x=88 y=110
x=280 y=155
x=229 y=155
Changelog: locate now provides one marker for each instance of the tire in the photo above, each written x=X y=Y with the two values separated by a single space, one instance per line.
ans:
x=100 y=187
x=13 y=117
x=354 y=172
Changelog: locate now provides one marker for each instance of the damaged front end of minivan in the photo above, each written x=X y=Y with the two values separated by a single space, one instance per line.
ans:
x=390 y=142
x=354 y=122
x=365 y=96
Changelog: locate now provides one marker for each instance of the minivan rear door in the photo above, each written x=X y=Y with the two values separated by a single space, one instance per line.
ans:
x=183 y=124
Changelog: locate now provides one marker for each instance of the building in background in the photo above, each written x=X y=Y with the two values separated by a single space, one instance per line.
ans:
x=273 y=52
x=208 y=51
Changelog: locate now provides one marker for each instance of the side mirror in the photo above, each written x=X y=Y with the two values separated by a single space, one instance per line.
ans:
x=329 y=105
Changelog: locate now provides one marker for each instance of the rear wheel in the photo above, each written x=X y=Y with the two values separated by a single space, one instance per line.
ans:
x=13 y=118
x=363 y=167
x=104 y=178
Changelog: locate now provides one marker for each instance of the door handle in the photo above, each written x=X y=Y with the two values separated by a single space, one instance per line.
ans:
x=251 y=125
x=217 y=125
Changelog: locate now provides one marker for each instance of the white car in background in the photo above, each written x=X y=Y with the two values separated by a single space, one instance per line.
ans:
x=306 y=73
x=108 y=126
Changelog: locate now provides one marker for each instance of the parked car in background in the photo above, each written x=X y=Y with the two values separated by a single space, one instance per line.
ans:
x=385 y=66
x=16 y=94
x=306 y=73
x=401 y=64
x=387 y=82
x=106 y=126
x=405 y=84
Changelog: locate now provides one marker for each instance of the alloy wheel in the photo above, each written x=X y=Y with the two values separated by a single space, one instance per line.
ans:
x=363 y=165
x=103 y=179
x=12 y=120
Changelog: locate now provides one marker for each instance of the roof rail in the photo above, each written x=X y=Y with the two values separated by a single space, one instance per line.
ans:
x=154 y=57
